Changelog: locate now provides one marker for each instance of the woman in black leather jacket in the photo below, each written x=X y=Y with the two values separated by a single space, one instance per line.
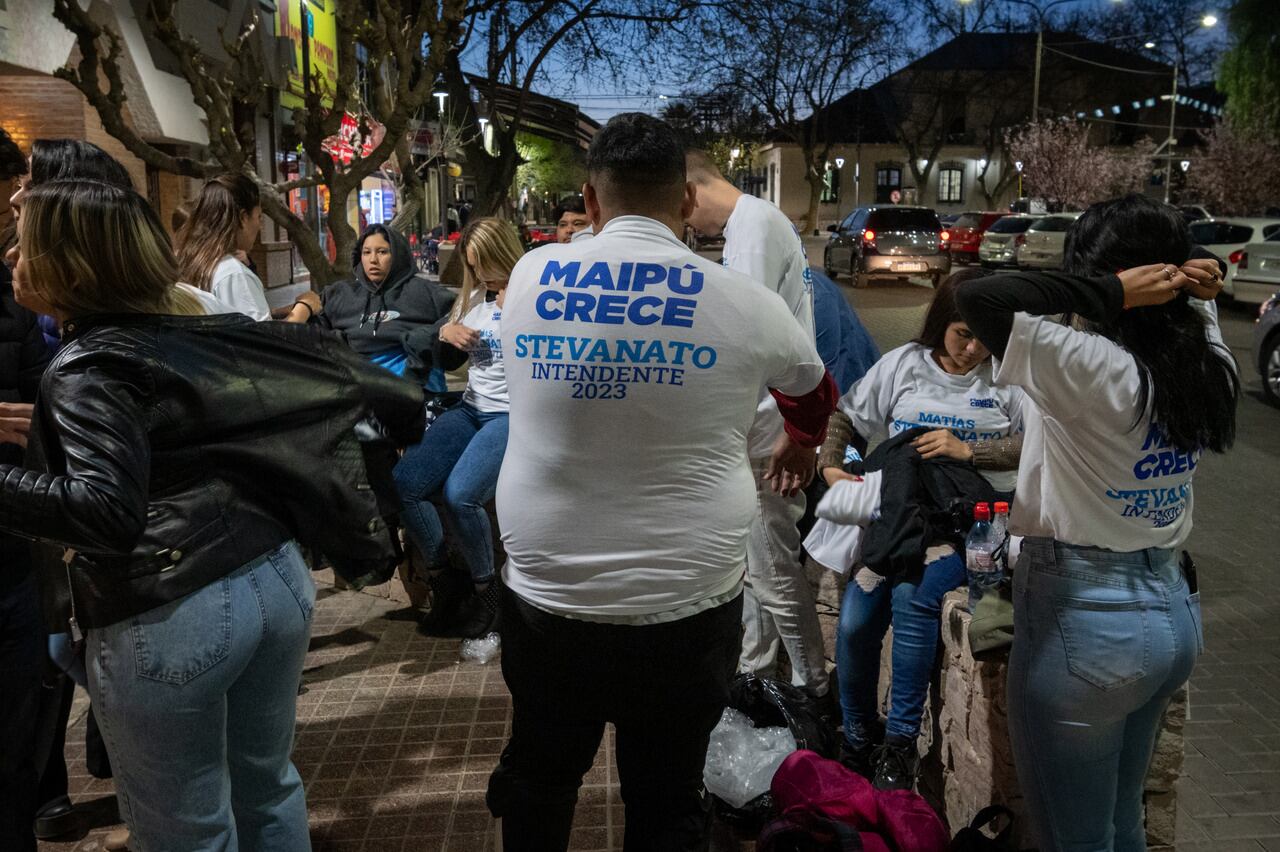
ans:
x=177 y=458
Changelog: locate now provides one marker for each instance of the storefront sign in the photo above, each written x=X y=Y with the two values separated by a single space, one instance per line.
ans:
x=322 y=41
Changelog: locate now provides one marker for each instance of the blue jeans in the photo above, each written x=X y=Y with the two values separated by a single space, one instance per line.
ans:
x=196 y=700
x=458 y=458
x=1104 y=639
x=915 y=611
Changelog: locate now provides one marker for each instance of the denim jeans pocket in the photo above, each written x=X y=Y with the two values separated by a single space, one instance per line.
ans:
x=176 y=642
x=1193 y=604
x=1108 y=643
x=295 y=574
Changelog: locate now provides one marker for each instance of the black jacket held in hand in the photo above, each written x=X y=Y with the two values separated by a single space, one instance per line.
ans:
x=922 y=502
x=403 y=311
x=169 y=451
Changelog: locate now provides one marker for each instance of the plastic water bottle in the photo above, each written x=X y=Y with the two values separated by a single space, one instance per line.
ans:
x=1000 y=525
x=980 y=555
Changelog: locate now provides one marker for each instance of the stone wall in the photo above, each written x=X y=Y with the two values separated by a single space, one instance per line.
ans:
x=967 y=761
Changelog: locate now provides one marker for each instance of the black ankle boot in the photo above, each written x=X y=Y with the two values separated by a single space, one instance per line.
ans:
x=449 y=589
x=897 y=764
x=859 y=759
x=478 y=614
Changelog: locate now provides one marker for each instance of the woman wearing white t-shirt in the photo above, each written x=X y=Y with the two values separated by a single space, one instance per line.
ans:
x=941 y=379
x=461 y=453
x=1107 y=626
x=225 y=220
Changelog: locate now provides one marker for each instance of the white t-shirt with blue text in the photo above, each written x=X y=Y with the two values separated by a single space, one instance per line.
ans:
x=906 y=388
x=1089 y=476
x=486 y=375
x=634 y=368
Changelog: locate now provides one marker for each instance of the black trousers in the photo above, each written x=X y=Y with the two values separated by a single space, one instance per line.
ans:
x=664 y=688
x=22 y=653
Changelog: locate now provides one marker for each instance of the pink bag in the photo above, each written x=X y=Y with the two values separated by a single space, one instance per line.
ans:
x=809 y=781
x=909 y=823
x=887 y=820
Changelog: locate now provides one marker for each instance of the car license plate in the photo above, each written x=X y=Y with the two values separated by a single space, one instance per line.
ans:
x=909 y=266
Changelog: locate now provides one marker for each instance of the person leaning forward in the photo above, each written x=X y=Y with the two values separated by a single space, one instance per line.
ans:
x=629 y=361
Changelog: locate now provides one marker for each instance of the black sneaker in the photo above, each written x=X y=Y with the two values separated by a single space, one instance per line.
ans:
x=478 y=614
x=897 y=765
x=449 y=589
x=859 y=759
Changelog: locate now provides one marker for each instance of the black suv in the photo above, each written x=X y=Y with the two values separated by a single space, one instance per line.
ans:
x=888 y=242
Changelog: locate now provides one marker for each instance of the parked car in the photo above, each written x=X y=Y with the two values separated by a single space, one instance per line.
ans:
x=1193 y=213
x=999 y=246
x=888 y=242
x=1266 y=347
x=1227 y=237
x=1258 y=270
x=967 y=231
x=1043 y=243
x=949 y=219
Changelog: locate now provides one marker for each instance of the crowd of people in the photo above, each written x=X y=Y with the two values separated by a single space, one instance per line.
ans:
x=652 y=429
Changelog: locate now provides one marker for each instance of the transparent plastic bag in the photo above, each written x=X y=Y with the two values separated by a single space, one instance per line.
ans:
x=741 y=758
x=481 y=650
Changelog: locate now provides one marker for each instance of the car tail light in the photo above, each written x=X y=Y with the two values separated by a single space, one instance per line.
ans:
x=945 y=236
x=869 y=237
x=1240 y=257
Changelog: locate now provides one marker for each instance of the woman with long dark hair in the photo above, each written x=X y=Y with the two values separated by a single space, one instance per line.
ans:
x=177 y=459
x=1107 y=621
x=225 y=220
x=932 y=381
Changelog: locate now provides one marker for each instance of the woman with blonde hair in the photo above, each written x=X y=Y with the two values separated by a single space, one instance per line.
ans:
x=459 y=457
x=177 y=459
x=221 y=227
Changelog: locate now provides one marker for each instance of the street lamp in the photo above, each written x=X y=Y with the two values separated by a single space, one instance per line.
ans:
x=440 y=91
x=1185 y=164
x=839 y=180
x=1207 y=21
x=1018 y=165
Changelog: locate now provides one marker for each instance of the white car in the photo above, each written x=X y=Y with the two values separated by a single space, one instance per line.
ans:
x=1000 y=241
x=1227 y=237
x=1257 y=276
x=1043 y=243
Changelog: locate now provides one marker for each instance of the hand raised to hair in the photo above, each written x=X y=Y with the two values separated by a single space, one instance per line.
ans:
x=1151 y=285
x=1205 y=276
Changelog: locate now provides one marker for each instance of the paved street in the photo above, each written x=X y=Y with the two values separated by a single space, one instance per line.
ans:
x=396 y=737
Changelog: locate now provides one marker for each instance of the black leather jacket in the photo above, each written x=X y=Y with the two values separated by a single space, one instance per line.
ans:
x=170 y=451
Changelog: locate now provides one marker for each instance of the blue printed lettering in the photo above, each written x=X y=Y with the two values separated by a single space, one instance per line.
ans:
x=544 y=302
x=566 y=274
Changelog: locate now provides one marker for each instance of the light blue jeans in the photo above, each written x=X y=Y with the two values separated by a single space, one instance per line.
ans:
x=196 y=700
x=1102 y=641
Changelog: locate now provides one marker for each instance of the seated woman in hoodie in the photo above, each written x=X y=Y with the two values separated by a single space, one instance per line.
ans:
x=390 y=314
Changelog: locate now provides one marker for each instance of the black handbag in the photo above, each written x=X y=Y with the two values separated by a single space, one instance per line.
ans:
x=971 y=839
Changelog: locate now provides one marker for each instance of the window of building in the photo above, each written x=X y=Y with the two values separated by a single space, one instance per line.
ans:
x=950 y=185
x=773 y=183
x=888 y=179
x=830 y=186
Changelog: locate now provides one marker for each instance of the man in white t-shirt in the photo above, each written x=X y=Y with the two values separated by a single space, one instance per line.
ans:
x=778 y=606
x=634 y=369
